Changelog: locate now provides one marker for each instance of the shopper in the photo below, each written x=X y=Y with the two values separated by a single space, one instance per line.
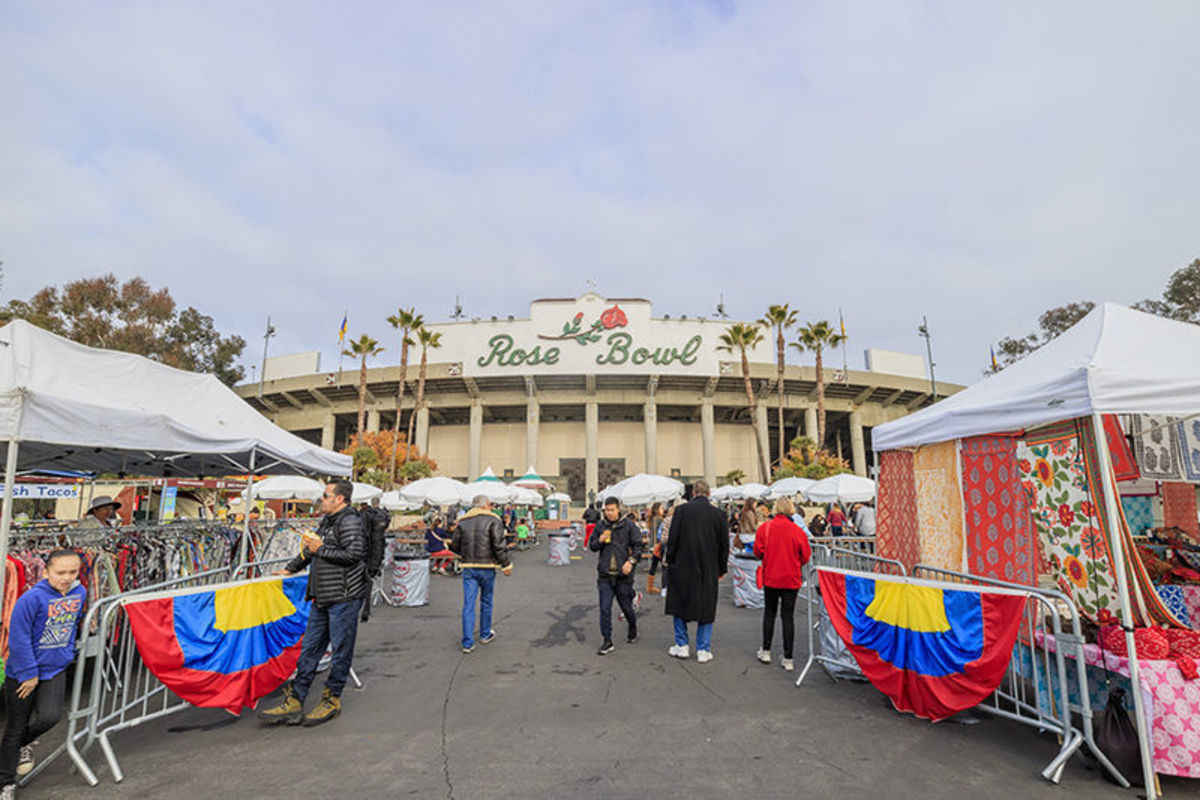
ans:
x=658 y=528
x=619 y=542
x=337 y=581
x=41 y=644
x=784 y=550
x=836 y=520
x=864 y=520
x=479 y=542
x=102 y=513
x=697 y=555
x=436 y=546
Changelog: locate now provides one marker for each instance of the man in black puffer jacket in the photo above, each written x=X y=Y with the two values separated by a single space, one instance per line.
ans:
x=337 y=581
x=619 y=542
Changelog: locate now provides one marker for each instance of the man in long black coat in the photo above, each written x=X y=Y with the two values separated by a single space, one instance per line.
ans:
x=697 y=557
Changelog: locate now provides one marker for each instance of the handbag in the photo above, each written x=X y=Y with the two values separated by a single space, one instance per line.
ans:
x=1117 y=738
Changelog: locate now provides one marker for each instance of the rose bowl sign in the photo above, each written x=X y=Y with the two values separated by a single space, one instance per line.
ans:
x=586 y=335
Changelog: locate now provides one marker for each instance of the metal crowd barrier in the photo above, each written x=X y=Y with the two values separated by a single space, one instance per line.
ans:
x=123 y=692
x=859 y=544
x=1027 y=690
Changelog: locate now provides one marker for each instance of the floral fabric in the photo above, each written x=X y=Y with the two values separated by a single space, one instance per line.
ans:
x=896 y=523
x=939 y=505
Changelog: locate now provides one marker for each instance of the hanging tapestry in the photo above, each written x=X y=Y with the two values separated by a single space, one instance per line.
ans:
x=896 y=523
x=933 y=648
x=1000 y=543
x=1139 y=513
x=1156 y=446
x=1189 y=449
x=1118 y=448
x=939 y=505
x=1179 y=508
x=1174 y=599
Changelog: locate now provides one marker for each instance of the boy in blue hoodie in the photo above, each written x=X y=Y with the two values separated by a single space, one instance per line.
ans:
x=41 y=643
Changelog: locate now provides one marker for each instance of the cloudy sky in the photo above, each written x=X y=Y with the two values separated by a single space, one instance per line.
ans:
x=977 y=163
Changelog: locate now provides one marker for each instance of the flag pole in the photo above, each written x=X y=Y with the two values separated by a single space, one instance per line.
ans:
x=341 y=339
x=845 y=368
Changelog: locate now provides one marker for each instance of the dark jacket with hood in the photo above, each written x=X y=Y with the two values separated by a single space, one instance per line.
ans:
x=479 y=540
x=625 y=544
x=697 y=555
x=338 y=570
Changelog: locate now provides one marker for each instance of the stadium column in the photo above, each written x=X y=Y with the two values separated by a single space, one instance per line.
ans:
x=810 y=424
x=533 y=415
x=328 y=430
x=475 y=441
x=372 y=420
x=858 y=449
x=650 y=418
x=591 y=454
x=707 y=436
x=422 y=432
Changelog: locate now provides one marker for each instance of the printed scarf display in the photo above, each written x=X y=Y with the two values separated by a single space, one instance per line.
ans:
x=896 y=523
x=939 y=505
x=1118 y=447
x=1000 y=542
x=1139 y=513
x=1179 y=509
x=1156 y=446
x=1189 y=449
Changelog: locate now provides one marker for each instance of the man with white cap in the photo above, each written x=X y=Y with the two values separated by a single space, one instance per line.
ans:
x=102 y=513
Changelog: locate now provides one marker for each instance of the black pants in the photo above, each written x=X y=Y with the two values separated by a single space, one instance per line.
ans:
x=28 y=719
x=654 y=561
x=774 y=598
x=622 y=589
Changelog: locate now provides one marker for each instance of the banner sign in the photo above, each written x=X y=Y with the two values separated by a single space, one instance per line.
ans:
x=45 y=491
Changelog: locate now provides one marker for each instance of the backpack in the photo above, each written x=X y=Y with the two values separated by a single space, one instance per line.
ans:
x=376 y=522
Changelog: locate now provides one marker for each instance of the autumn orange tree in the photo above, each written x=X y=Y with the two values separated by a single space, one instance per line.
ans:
x=372 y=453
x=805 y=460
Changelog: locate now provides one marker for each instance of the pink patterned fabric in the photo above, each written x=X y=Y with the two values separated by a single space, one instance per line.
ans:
x=896 y=523
x=1000 y=541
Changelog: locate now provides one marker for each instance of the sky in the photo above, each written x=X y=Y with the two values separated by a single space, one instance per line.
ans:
x=973 y=163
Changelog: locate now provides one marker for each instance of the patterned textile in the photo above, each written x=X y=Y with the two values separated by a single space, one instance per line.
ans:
x=896 y=523
x=1156 y=446
x=1118 y=449
x=1139 y=513
x=1189 y=449
x=1179 y=508
x=1174 y=599
x=1070 y=535
x=1000 y=541
x=1191 y=600
x=939 y=505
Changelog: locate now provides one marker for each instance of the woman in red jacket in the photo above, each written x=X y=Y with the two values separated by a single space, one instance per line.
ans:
x=784 y=551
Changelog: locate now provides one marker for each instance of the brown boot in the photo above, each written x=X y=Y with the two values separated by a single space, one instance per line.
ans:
x=650 y=587
x=327 y=709
x=289 y=709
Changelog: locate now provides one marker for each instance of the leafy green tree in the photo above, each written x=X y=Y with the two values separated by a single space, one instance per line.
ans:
x=780 y=318
x=817 y=337
x=429 y=340
x=405 y=321
x=1181 y=299
x=362 y=348
x=741 y=338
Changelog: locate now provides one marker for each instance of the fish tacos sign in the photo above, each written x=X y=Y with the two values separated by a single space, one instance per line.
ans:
x=587 y=335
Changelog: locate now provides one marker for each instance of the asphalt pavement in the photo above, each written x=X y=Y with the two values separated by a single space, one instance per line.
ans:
x=537 y=713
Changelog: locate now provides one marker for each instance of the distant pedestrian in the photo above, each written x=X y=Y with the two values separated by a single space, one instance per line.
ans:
x=748 y=520
x=784 y=550
x=102 y=513
x=479 y=542
x=864 y=520
x=591 y=514
x=836 y=520
x=619 y=542
x=697 y=555
x=817 y=527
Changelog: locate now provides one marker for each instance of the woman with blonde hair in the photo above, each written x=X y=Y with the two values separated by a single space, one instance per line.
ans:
x=784 y=551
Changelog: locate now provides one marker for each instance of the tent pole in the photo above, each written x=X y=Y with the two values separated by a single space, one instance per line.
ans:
x=246 y=521
x=6 y=512
x=1118 y=552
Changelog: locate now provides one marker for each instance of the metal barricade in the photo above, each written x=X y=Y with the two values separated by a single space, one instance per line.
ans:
x=859 y=544
x=123 y=692
x=1030 y=698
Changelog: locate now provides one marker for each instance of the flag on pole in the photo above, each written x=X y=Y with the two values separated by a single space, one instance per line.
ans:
x=342 y=329
x=842 y=319
x=995 y=366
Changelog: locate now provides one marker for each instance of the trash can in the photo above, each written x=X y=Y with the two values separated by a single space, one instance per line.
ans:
x=410 y=580
x=744 y=573
x=559 y=550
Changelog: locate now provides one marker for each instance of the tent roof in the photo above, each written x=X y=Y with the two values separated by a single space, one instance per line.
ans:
x=1113 y=361
x=76 y=407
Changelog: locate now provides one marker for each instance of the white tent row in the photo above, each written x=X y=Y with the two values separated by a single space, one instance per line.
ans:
x=643 y=489
x=843 y=488
x=1113 y=361
x=64 y=405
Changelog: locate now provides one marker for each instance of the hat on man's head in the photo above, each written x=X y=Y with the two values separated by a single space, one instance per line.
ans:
x=102 y=501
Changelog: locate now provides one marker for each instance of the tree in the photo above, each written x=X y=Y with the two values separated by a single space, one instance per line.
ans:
x=405 y=321
x=429 y=340
x=135 y=318
x=805 y=460
x=780 y=318
x=817 y=336
x=742 y=337
x=1181 y=298
x=1051 y=325
x=733 y=478
x=371 y=452
x=362 y=348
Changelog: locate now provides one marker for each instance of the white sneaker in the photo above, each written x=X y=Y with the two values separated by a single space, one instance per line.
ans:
x=25 y=761
x=764 y=656
x=678 y=650
x=704 y=656
x=788 y=665
x=9 y=792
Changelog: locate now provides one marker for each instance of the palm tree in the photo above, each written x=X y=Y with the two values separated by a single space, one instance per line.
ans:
x=743 y=337
x=780 y=318
x=406 y=321
x=429 y=340
x=816 y=336
x=363 y=348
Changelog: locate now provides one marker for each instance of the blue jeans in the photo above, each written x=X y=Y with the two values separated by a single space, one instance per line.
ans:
x=335 y=625
x=703 y=634
x=479 y=583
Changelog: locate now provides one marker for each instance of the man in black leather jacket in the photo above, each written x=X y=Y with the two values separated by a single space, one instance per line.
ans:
x=619 y=542
x=479 y=541
x=337 y=581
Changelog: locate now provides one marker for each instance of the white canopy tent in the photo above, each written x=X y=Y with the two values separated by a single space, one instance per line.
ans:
x=64 y=405
x=842 y=488
x=493 y=489
x=643 y=489
x=723 y=494
x=789 y=487
x=523 y=496
x=364 y=492
x=435 y=491
x=287 y=487
x=561 y=497
x=531 y=480
x=1113 y=361
x=392 y=501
